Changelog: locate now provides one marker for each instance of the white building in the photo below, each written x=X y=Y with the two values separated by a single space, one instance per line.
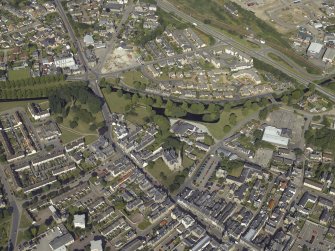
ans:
x=79 y=221
x=96 y=245
x=65 y=62
x=314 y=48
x=37 y=112
x=273 y=136
x=88 y=40
x=329 y=55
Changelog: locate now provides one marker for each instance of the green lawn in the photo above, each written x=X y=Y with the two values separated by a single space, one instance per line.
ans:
x=21 y=237
x=68 y=136
x=115 y=103
x=24 y=221
x=5 y=224
x=159 y=167
x=18 y=74
x=83 y=129
x=331 y=87
x=12 y=104
x=131 y=76
x=138 y=115
x=216 y=129
x=204 y=37
x=279 y=60
x=187 y=162
x=236 y=172
x=144 y=224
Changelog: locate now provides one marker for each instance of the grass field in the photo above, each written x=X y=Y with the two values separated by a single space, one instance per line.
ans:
x=236 y=172
x=83 y=129
x=24 y=221
x=18 y=74
x=5 y=224
x=12 y=104
x=187 y=162
x=131 y=76
x=216 y=129
x=138 y=115
x=279 y=60
x=68 y=136
x=144 y=224
x=159 y=167
x=331 y=87
x=116 y=104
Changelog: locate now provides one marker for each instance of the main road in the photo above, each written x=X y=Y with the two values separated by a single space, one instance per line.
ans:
x=16 y=210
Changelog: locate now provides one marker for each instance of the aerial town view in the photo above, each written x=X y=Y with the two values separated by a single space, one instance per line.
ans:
x=182 y=125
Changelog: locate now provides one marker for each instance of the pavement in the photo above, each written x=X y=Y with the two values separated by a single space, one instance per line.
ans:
x=17 y=209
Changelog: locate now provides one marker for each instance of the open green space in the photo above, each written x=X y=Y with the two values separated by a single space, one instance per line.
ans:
x=279 y=60
x=144 y=224
x=162 y=172
x=5 y=225
x=187 y=162
x=209 y=40
x=131 y=77
x=115 y=103
x=24 y=221
x=13 y=104
x=138 y=115
x=330 y=86
x=82 y=130
x=18 y=74
x=236 y=172
x=217 y=130
x=68 y=136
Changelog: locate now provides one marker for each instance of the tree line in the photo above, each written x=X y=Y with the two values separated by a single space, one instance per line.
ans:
x=38 y=87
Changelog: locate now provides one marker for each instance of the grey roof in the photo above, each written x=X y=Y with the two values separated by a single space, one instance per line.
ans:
x=60 y=241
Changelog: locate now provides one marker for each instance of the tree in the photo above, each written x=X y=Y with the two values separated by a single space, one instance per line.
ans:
x=247 y=104
x=184 y=105
x=159 y=101
x=162 y=122
x=197 y=108
x=93 y=127
x=297 y=94
x=108 y=89
x=213 y=108
x=49 y=221
x=172 y=142
x=73 y=124
x=59 y=119
x=226 y=128
x=263 y=114
x=264 y=102
x=119 y=93
x=34 y=230
x=135 y=98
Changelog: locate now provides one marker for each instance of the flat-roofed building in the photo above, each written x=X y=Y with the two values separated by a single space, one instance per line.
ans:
x=79 y=221
x=274 y=136
x=329 y=55
x=96 y=245
x=314 y=49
